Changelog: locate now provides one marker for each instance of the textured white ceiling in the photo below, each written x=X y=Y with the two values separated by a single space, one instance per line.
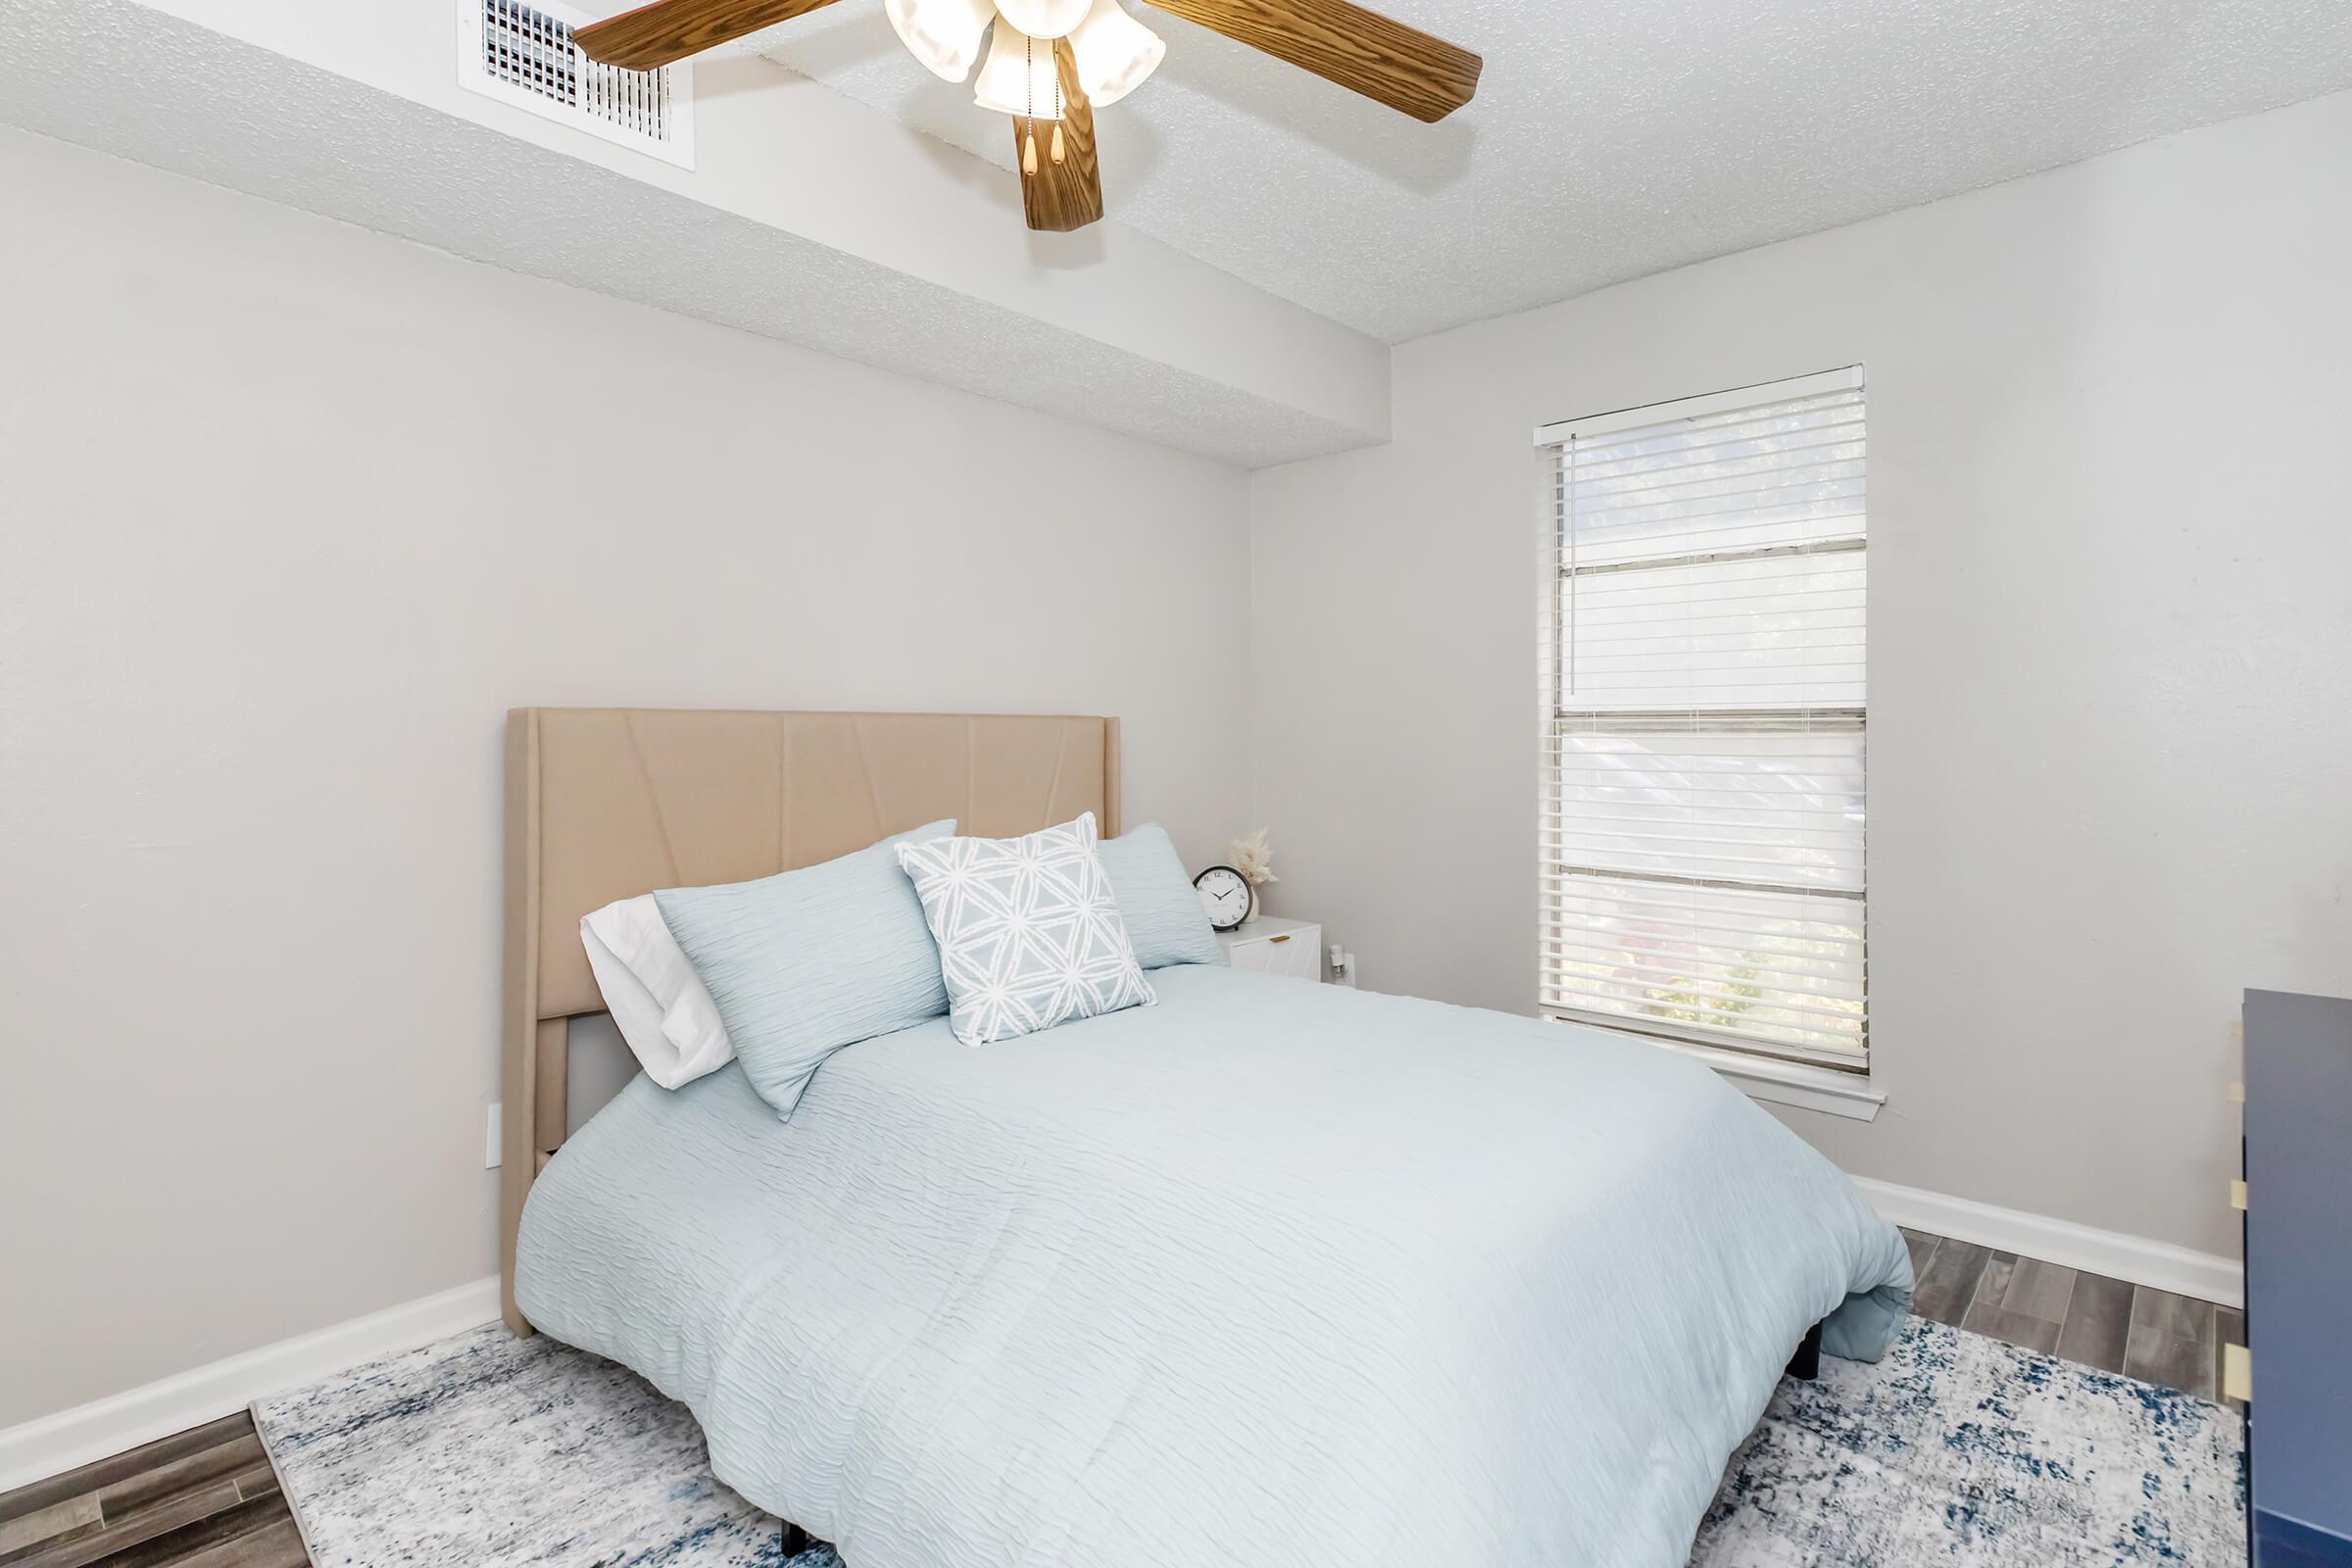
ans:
x=141 y=84
x=1613 y=138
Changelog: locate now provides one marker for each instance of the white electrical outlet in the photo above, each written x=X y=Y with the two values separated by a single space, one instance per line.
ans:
x=495 y=1146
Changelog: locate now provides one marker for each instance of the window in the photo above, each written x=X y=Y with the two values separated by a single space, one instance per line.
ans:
x=1705 y=719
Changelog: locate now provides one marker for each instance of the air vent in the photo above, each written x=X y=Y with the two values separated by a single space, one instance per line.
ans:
x=524 y=55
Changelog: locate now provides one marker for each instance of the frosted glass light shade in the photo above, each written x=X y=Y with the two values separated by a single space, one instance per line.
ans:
x=1043 y=18
x=944 y=34
x=1115 y=53
x=1019 y=76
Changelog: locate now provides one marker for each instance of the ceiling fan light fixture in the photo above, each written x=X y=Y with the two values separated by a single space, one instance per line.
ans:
x=944 y=34
x=1114 y=53
x=1043 y=18
x=1019 y=77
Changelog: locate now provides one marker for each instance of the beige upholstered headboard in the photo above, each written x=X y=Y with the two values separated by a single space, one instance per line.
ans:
x=607 y=803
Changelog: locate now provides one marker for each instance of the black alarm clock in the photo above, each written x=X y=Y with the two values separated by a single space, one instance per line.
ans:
x=1226 y=895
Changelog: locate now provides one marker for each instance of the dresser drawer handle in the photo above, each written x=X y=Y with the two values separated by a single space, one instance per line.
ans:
x=1278 y=938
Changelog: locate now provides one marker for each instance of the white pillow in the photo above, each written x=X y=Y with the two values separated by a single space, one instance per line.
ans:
x=663 y=1007
x=1029 y=932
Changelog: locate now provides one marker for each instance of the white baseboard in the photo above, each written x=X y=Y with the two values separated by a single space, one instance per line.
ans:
x=2159 y=1264
x=55 y=1443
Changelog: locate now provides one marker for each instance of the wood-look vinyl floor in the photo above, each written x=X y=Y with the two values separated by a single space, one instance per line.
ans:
x=207 y=1498
x=203 y=1499
x=2154 y=1336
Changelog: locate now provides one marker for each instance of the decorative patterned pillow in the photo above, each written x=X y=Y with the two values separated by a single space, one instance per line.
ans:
x=1029 y=933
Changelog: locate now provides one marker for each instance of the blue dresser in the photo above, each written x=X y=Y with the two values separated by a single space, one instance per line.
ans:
x=2298 y=1159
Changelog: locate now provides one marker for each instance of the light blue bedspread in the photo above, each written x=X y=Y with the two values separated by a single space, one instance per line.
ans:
x=1336 y=1278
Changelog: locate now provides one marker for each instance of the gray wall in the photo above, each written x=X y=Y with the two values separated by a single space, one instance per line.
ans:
x=2111 y=646
x=289 y=514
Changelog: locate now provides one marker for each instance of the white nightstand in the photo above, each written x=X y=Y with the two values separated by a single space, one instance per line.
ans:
x=1293 y=948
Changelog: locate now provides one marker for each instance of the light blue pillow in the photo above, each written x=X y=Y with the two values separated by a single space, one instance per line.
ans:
x=1165 y=922
x=805 y=963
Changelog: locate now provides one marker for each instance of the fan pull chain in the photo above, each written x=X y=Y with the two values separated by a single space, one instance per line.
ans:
x=1057 y=141
x=1057 y=111
x=1029 y=91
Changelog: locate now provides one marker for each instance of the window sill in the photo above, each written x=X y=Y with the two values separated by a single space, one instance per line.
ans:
x=1788 y=1083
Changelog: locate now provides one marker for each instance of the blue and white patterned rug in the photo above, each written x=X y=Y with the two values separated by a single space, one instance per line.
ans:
x=487 y=1451
x=1963 y=1449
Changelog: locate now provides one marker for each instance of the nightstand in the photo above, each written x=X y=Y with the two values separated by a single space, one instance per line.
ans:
x=1293 y=948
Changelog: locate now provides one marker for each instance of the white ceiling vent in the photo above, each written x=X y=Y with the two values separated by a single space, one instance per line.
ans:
x=523 y=55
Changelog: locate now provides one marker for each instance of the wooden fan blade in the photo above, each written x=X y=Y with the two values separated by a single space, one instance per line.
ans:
x=671 y=30
x=1361 y=50
x=1067 y=195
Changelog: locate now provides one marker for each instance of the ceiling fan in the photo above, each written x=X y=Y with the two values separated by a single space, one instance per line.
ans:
x=1053 y=62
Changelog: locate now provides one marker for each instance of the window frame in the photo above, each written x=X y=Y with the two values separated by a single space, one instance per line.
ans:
x=1819 y=1078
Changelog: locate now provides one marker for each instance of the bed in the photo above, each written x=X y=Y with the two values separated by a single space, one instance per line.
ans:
x=1273 y=1272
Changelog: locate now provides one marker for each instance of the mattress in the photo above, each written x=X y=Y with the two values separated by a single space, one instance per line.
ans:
x=1338 y=1278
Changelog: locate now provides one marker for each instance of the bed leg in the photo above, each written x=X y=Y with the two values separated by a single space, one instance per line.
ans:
x=795 y=1539
x=1805 y=1365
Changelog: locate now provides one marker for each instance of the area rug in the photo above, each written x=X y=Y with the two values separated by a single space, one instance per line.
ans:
x=488 y=1451
x=1963 y=1449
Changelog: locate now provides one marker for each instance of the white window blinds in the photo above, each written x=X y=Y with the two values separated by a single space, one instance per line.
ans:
x=1705 y=717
